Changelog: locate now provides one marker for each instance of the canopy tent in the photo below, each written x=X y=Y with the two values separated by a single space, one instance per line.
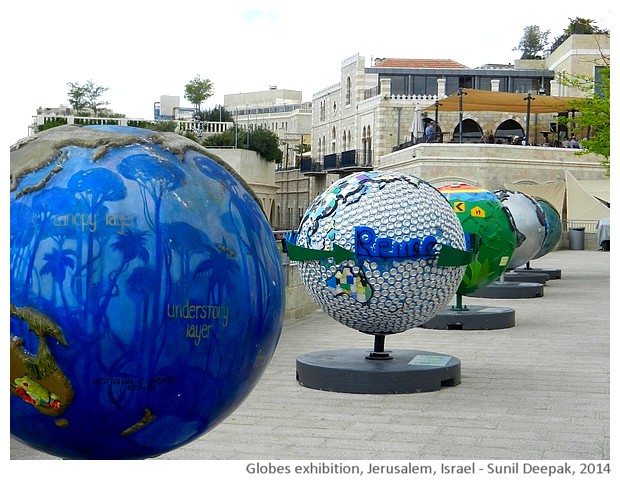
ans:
x=483 y=100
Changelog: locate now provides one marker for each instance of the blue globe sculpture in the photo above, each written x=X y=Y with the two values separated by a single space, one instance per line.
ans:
x=147 y=292
x=553 y=222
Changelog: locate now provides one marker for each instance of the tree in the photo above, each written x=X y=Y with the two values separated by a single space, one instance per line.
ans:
x=198 y=90
x=532 y=42
x=582 y=26
x=86 y=96
x=594 y=113
x=164 y=126
x=262 y=141
x=217 y=114
x=77 y=96
x=579 y=26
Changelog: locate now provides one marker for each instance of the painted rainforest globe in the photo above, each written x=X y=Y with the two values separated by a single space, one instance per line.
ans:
x=146 y=292
x=482 y=214
x=374 y=250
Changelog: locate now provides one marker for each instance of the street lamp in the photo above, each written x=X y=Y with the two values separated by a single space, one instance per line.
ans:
x=527 y=118
x=437 y=130
x=460 y=94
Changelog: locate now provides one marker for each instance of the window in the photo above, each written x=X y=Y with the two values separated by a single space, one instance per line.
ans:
x=348 y=92
x=599 y=72
x=525 y=85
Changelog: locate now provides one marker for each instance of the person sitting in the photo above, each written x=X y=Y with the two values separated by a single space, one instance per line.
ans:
x=573 y=142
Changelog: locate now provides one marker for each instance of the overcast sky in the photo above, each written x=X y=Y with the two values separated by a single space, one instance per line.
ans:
x=140 y=49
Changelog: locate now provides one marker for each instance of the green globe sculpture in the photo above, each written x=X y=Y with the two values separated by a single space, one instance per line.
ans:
x=483 y=215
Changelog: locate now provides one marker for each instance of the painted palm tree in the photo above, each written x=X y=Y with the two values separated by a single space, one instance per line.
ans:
x=22 y=233
x=156 y=176
x=57 y=261
x=131 y=246
x=94 y=187
x=243 y=217
x=186 y=241
x=45 y=205
x=221 y=270
x=140 y=285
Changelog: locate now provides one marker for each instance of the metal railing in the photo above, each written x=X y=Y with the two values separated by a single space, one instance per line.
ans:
x=589 y=226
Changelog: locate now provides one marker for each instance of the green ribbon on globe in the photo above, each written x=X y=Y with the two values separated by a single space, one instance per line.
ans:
x=303 y=254
x=448 y=256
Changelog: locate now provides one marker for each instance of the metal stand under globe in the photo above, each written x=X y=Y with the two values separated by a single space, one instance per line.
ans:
x=377 y=372
x=464 y=317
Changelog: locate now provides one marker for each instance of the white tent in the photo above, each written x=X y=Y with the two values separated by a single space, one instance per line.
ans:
x=584 y=198
x=581 y=204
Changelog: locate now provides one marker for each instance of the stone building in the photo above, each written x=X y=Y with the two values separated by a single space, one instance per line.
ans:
x=278 y=110
x=366 y=121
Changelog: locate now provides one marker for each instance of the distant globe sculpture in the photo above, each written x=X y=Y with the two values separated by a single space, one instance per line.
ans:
x=553 y=224
x=529 y=221
x=484 y=216
x=380 y=252
x=146 y=292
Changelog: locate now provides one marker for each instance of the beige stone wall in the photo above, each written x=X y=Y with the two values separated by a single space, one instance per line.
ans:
x=579 y=55
x=256 y=171
x=295 y=193
x=298 y=301
x=491 y=166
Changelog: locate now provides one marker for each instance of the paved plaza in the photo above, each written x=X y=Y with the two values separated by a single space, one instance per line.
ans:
x=537 y=391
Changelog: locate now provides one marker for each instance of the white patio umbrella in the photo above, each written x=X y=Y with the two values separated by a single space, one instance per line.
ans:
x=417 y=125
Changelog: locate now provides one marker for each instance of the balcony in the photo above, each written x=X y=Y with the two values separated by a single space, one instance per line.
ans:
x=311 y=167
x=348 y=161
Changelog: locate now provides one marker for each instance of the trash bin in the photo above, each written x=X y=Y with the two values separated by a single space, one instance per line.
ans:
x=576 y=238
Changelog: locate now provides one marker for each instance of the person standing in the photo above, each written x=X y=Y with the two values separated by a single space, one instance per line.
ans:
x=429 y=132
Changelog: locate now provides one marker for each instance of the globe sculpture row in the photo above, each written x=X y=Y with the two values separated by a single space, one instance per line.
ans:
x=147 y=291
x=369 y=246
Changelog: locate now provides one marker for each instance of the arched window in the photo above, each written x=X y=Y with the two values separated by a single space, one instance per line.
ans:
x=509 y=129
x=366 y=146
x=333 y=140
x=348 y=92
x=471 y=131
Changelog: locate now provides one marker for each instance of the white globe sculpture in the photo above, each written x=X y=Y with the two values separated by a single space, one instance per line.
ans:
x=376 y=238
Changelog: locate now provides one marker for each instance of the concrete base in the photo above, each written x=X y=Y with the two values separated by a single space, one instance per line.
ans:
x=526 y=276
x=473 y=318
x=400 y=371
x=510 y=290
x=552 y=273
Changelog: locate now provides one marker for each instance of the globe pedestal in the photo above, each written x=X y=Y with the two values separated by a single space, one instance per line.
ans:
x=377 y=372
x=526 y=276
x=552 y=273
x=502 y=289
x=472 y=318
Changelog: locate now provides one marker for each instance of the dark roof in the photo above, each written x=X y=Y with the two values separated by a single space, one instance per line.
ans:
x=416 y=63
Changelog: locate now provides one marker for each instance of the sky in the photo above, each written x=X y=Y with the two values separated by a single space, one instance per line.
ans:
x=140 y=50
